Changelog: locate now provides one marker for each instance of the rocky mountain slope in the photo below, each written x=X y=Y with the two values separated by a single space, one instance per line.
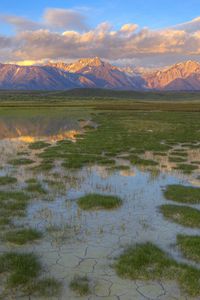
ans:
x=95 y=73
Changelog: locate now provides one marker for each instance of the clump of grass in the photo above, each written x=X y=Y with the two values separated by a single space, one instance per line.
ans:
x=96 y=201
x=22 y=236
x=21 y=161
x=190 y=246
x=177 y=159
x=4 y=180
x=21 y=267
x=31 y=181
x=182 y=215
x=183 y=194
x=179 y=153
x=18 y=196
x=13 y=203
x=80 y=285
x=119 y=168
x=35 y=187
x=38 y=145
x=44 y=166
x=186 y=168
x=4 y=221
x=47 y=287
x=148 y=262
x=22 y=153
x=140 y=161
x=160 y=153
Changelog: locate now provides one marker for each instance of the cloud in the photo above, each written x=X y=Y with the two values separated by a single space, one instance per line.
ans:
x=20 y=23
x=191 y=26
x=53 y=18
x=40 y=41
x=65 y=19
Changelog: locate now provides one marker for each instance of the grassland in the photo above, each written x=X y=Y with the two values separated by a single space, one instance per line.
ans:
x=128 y=123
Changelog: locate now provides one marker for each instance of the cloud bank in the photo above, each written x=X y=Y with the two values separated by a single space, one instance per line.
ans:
x=64 y=35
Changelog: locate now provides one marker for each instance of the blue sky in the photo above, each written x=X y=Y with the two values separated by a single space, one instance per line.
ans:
x=146 y=13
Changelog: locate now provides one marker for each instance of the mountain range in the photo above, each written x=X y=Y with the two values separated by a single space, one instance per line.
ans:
x=95 y=73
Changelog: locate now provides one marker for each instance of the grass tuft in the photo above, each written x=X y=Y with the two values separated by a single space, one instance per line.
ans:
x=80 y=285
x=148 y=262
x=22 y=236
x=96 y=201
x=4 y=180
x=182 y=215
x=22 y=268
x=183 y=194
x=190 y=246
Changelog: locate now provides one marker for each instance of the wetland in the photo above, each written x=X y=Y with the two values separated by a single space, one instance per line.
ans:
x=100 y=200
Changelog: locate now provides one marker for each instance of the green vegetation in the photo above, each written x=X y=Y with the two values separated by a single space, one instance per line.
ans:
x=177 y=159
x=13 y=204
x=4 y=180
x=96 y=201
x=139 y=161
x=182 y=215
x=183 y=194
x=35 y=187
x=148 y=262
x=80 y=285
x=22 y=268
x=38 y=145
x=47 y=287
x=190 y=246
x=186 y=168
x=22 y=236
x=21 y=161
x=18 y=196
x=179 y=152
x=119 y=168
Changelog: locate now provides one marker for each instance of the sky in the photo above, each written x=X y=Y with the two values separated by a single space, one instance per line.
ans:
x=148 y=33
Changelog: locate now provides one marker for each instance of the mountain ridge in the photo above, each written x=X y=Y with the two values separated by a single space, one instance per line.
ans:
x=96 y=73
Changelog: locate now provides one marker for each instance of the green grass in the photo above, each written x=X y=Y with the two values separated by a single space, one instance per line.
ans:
x=22 y=236
x=39 y=145
x=183 y=194
x=177 y=159
x=80 y=285
x=179 y=153
x=189 y=246
x=4 y=180
x=140 y=161
x=148 y=262
x=21 y=161
x=96 y=201
x=13 y=204
x=186 y=168
x=15 y=195
x=119 y=168
x=35 y=187
x=182 y=215
x=21 y=268
x=46 y=287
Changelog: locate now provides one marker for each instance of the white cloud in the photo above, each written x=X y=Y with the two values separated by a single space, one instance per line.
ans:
x=40 y=41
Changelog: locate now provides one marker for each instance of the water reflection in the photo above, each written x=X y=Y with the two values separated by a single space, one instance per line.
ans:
x=28 y=125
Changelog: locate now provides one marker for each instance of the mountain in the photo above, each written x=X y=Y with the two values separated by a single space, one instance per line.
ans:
x=36 y=78
x=95 y=73
x=102 y=74
x=182 y=76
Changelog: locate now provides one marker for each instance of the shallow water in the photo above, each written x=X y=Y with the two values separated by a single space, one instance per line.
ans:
x=87 y=243
x=93 y=240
